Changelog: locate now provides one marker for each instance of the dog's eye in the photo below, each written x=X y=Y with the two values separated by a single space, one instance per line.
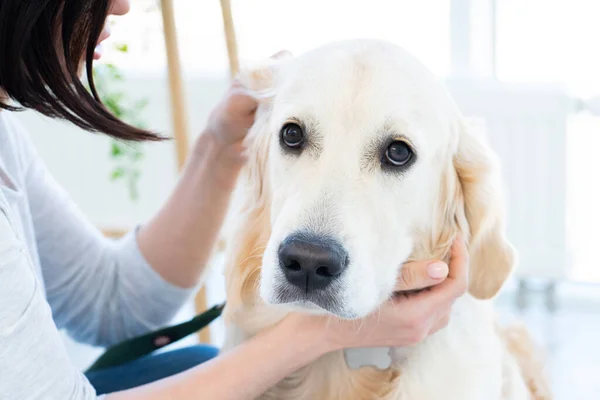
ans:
x=398 y=154
x=292 y=135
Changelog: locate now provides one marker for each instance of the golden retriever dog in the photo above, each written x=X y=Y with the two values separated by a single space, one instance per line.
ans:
x=359 y=162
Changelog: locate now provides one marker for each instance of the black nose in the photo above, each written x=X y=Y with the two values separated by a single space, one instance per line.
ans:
x=311 y=262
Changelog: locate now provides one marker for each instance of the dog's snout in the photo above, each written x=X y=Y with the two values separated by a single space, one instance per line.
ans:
x=312 y=262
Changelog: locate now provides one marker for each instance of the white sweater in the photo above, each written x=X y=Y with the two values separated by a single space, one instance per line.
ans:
x=58 y=271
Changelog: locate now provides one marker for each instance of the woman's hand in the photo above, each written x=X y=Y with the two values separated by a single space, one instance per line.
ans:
x=406 y=319
x=267 y=358
x=219 y=152
x=232 y=118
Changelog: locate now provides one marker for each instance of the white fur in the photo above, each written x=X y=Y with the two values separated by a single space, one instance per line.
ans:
x=333 y=187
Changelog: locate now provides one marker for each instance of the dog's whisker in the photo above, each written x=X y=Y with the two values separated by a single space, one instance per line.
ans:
x=252 y=254
x=254 y=250
x=250 y=275
x=258 y=248
x=360 y=325
x=378 y=314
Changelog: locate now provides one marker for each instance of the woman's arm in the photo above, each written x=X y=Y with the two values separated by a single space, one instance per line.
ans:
x=242 y=373
x=179 y=240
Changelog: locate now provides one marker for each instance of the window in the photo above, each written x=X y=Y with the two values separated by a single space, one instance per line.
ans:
x=550 y=41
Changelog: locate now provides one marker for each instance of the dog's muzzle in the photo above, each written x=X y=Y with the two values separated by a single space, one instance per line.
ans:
x=311 y=267
x=310 y=262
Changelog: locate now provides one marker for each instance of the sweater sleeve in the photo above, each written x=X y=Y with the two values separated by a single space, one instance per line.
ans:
x=34 y=364
x=102 y=291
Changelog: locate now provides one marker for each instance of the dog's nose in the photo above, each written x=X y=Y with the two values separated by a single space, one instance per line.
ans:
x=311 y=262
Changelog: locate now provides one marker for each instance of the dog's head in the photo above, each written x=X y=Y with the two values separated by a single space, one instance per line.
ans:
x=359 y=162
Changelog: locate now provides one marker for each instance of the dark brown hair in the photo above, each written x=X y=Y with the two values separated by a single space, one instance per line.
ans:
x=42 y=45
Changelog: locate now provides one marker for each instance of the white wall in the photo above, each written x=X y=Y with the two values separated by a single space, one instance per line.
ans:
x=80 y=160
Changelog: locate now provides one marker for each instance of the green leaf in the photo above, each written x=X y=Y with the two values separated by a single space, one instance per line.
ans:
x=117 y=173
x=138 y=155
x=113 y=72
x=113 y=106
x=140 y=124
x=116 y=150
x=141 y=104
x=123 y=48
x=133 y=184
x=127 y=155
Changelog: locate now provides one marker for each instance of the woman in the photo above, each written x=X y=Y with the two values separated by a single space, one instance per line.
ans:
x=58 y=272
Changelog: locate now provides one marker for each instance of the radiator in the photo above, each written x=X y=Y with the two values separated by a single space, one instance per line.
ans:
x=527 y=127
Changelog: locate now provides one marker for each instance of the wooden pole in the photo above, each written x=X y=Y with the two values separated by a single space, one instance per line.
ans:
x=232 y=55
x=178 y=111
x=232 y=50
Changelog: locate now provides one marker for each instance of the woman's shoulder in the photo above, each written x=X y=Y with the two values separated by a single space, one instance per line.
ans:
x=12 y=132
x=16 y=148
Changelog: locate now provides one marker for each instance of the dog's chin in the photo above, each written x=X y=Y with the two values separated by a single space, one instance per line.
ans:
x=316 y=304
x=302 y=306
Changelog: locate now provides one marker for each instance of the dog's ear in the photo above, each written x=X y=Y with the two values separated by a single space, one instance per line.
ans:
x=261 y=78
x=482 y=214
x=471 y=203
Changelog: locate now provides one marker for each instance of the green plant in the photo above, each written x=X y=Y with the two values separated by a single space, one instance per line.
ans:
x=126 y=156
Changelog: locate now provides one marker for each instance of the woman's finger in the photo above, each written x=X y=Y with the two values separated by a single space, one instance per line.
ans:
x=457 y=282
x=240 y=103
x=460 y=258
x=421 y=274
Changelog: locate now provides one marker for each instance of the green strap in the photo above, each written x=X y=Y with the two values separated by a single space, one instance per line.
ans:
x=140 y=346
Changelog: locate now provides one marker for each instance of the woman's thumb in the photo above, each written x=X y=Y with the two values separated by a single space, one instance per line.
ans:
x=421 y=274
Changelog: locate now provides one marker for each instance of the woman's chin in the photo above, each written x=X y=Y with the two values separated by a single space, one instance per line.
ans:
x=81 y=70
x=98 y=52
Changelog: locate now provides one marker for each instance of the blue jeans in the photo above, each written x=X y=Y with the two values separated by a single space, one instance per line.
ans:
x=149 y=368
